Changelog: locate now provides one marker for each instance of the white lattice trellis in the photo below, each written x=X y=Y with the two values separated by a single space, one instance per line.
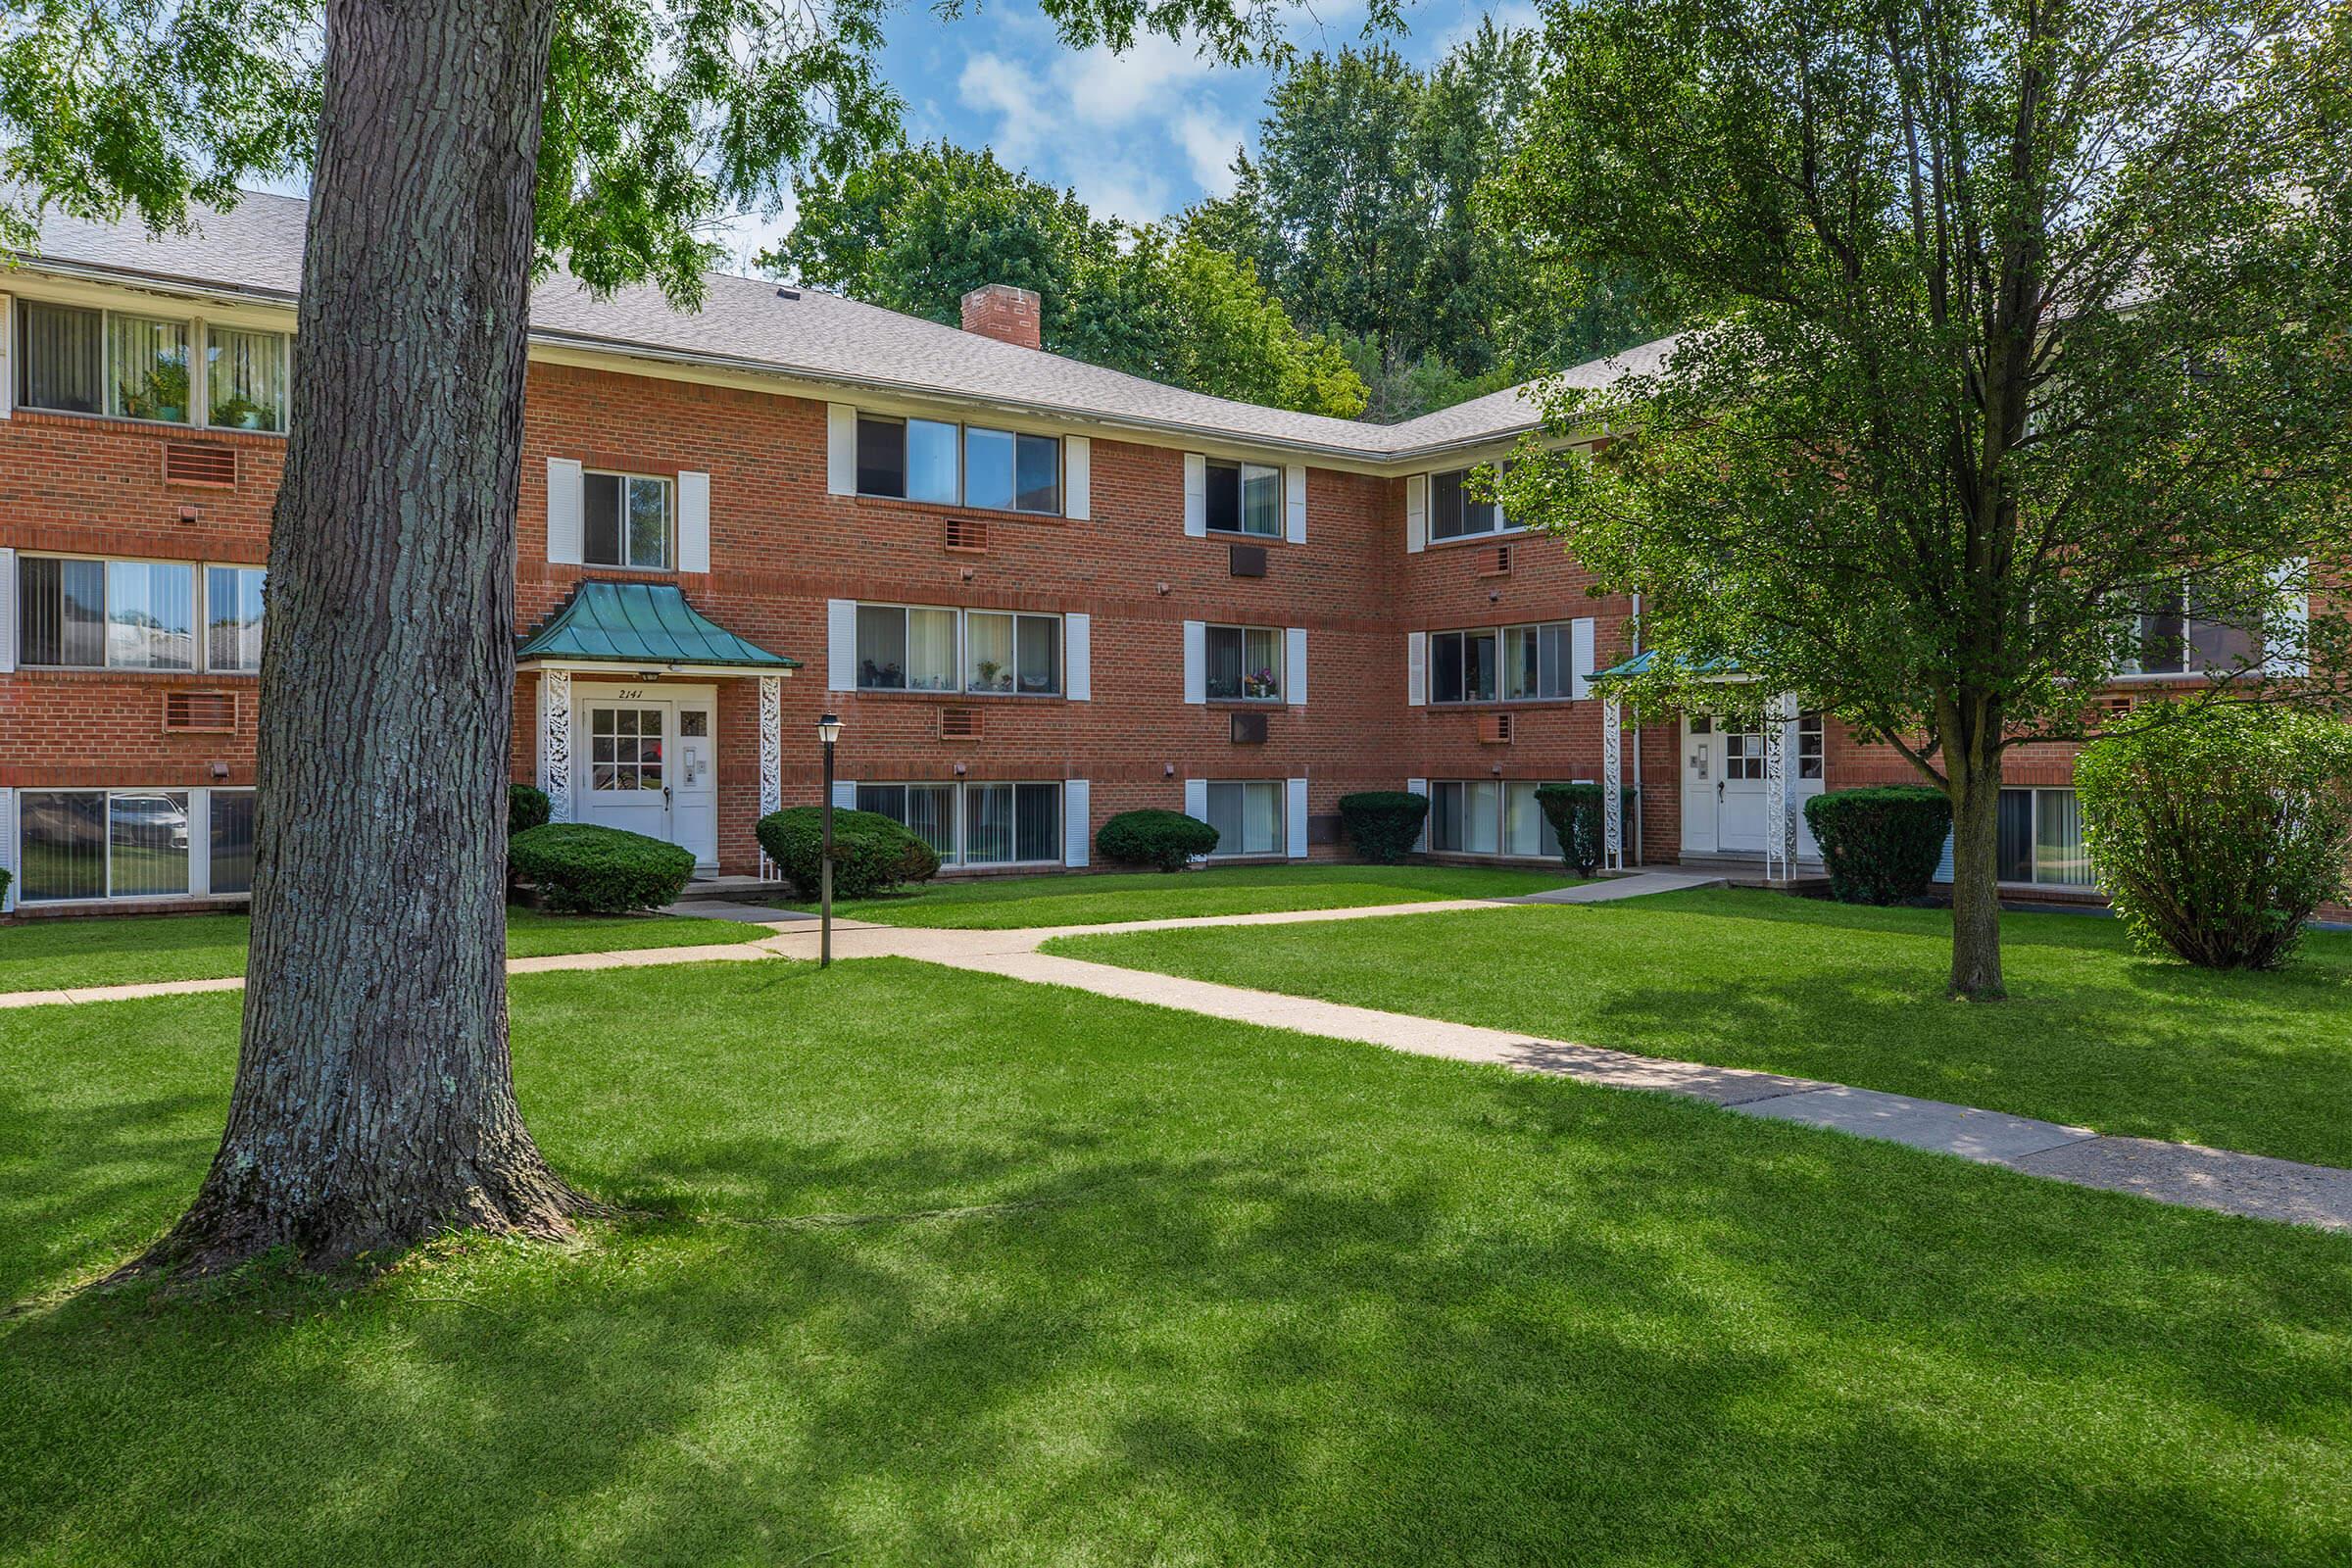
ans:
x=1780 y=777
x=1612 y=788
x=555 y=742
x=771 y=756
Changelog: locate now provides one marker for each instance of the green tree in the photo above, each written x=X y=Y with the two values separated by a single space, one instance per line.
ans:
x=917 y=228
x=452 y=151
x=2032 y=320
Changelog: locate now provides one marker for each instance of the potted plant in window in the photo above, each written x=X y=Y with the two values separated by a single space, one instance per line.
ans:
x=1258 y=684
x=164 y=395
x=991 y=676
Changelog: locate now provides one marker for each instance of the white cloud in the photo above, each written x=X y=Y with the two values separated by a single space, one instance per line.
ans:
x=1209 y=144
x=1116 y=188
x=1108 y=89
x=994 y=85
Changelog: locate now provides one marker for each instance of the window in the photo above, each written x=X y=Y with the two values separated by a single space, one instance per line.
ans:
x=1011 y=473
x=927 y=811
x=624 y=748
x=1245 y=497
x=232 y=617
x=1465 y=816
x=1013 y=654
x=904 y=649
x=245 y=379
x=627 y=520
x=2040 y=838
x=1526 y=830
x=1245 y=664
x=147 y=369
x=1539 y=662
x=909 y=460
x=1743 y=749
x=2172 y=639
x=232 y=850
x=1247 y=816
x=1462 y=667
x=1455 y=514
x=112 y=614
x=975 y=824
x=89 y=844
x=63 y=359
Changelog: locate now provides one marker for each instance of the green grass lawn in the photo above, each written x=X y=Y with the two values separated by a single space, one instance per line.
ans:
x=2092 y=1034
x=947 y=1269
x=1001 y=904
x=129 y=949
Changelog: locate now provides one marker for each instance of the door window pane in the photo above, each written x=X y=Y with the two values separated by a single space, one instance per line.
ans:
x=930 y=462
x=150 y=616
x=65 y=358
x=1040 y=476
x=624 y=749
x=881 y=456
x=64 y=846
x=881 y=647
x=232 y=611
x=62 y=611
x=147 y=365
x=147 y=844
x=991 y=667
x=232 y=841
x=988 y=468
x=245 y=384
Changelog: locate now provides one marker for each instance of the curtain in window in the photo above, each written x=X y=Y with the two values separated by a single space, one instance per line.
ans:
x=233 y=598
x=990 y=666
x=1446 y=816
x=147 y=365
x=987 y=824
x=1261 y=817
x=2013 y=837
x=1037 y=823
x=881 y=646
x=65 y=358
x=1261 y=500
x=246 y=378
x=2059 y=858
x=1482 y=817
x=1478 y=666
x=1223 y=648
x=931 y=816
x=1261 y=662
x=150 y=616
x=147 y=844
x=1524 y=828
x=1040 y=655
x=62 y=612
x=232 y=841
x=65 y=846
x=931 y=650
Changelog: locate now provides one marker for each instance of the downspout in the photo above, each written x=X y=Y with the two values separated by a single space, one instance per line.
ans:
x=1641 y=801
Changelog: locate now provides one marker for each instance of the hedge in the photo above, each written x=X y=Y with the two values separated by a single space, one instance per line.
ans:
x=1880 y=844
x=583 y=869
x=1578 y=814
x=527 y=807
x=2216 y=834
x=1383 y=825
x=1167 y=840
x=871 y=853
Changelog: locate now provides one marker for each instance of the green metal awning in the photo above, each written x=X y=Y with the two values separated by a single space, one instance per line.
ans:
x=645 y=625
x=1641 y=664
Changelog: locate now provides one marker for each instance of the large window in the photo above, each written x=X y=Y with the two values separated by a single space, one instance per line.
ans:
x=948 y=464
x=92 y=844
x=1526 y=831
x=1245 y=664
x=908 y=460
x=1462 y=667
x=1247 y=814
x=1245 y=497
x=74 y=360
x=78 y=613
x=2040 y=838
x=1013 y=654
x=625 y=521
x=901 y=648
x=989 y=652
x=1454 y=512
x=2170 y=637
x=974 y=824
x=1539 y=661
x=1489 y=817
x=232 y=617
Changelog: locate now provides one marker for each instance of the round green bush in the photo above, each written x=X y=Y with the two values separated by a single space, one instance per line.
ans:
x=1383 y=825
x=1880 y=844
x=2217 y=833
x=1578 y=814
x=1168 y=840
x=871 y=854
x=527 y=807
x=580 y=869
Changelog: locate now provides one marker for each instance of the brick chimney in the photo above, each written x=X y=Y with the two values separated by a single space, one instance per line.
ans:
x=1009 y=315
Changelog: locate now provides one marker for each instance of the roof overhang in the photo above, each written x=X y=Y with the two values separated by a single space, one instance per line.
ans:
x=643 y=628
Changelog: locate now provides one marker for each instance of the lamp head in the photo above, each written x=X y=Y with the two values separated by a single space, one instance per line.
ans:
x=828 y=729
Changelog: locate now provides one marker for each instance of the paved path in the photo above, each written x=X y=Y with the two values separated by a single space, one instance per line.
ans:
x=2184 y=1174
x=1609 y=890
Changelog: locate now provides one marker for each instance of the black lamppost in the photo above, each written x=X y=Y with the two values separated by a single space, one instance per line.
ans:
x=828 y=730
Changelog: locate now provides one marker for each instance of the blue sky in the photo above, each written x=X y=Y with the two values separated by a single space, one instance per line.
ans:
x=1136 y=136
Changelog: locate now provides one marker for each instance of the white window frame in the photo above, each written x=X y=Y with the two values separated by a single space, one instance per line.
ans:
x=1243 y=472
x=199 y=332
x=959 y=856
x=669 y=518
x=200 y=659
x=962 y=499
x=1464 y=701
x=1282 y=807
x=2133 y=670
x=1280 y=637
x=956 y=671
x=1502 y=524
x=963 y=687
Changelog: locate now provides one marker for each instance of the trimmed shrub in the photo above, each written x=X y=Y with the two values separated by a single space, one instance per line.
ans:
x=583 y=869
x=1167 y=840
x=2216 y=835
x=1383 y=825
x=871 y=853
x=1880 y=844
x=527 y=807
x=4 y=880
x=1578 y=817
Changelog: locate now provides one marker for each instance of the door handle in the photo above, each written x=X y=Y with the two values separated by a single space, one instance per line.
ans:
x=1719 y=789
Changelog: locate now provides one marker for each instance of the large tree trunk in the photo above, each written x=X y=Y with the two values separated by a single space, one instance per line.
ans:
x=374 y=1102
x=1976 y=795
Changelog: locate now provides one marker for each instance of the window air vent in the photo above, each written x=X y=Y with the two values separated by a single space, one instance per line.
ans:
x=1494 y=729
x=201 y=712
x=1498 y=564
x=967 y=535
x=188 y=463
x=1249 y=729
x=1246 y=561
x=959 y=723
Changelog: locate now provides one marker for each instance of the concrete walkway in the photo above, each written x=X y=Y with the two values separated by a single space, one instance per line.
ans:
x=1641 y=884
x=2184 y=1174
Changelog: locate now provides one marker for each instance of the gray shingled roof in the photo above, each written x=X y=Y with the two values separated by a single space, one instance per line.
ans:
x=255 y=249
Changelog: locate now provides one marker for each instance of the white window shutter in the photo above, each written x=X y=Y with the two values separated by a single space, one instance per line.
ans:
x=845 y=794
x=1077 y=658
x=1196 y=662
x=2289 y=653
x=841 y=645
x=1293 y=662
x=8 y=848
x=563 y=511
x=1196 y=496
x=694 y=520
x=1294 y=819
x=1196 y=798
x=1416 y=513
x=841 y=449
x=7 y=356
x=1580 y=655
x=8 y=610
x=1294 y=489
x=1420 y=787
x=1077 y=477
x=1416 y=669
x=1077 y=818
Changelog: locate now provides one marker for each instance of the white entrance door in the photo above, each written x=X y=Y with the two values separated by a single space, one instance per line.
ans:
x=694 y=779
x=625 y=767
x=1742 y=815
x=1702 y=772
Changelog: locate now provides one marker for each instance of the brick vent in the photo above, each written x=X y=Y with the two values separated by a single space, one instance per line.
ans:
x=959 y=723
x=192 y=463
x=967 y=535
x=1500 y=565
x=201 y=712
x=1494 y=729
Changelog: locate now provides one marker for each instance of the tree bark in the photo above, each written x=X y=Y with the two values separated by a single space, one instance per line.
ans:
x=1976 y=795
x=374 y=1104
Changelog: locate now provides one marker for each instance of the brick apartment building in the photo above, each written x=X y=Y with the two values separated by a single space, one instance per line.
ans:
x=1038 y=593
